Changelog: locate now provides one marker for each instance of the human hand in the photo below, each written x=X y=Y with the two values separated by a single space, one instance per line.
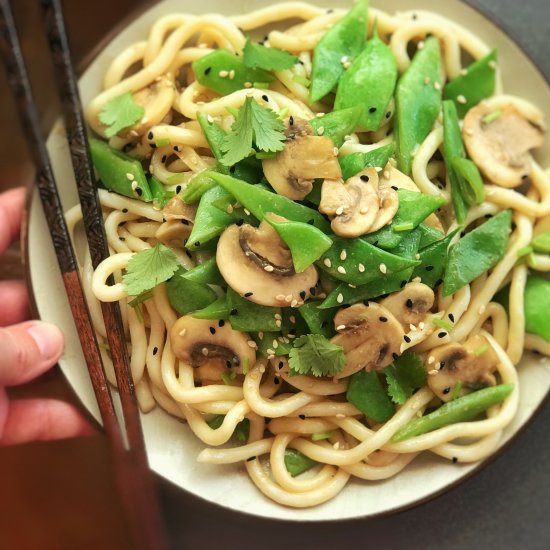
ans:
x=27 y=349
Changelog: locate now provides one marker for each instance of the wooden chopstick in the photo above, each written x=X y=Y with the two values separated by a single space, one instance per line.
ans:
x=134 y=479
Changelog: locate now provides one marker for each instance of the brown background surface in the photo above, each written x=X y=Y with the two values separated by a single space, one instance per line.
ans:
x=60 y=495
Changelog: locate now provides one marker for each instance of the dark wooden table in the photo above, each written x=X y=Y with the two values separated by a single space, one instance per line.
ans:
x=60 y=495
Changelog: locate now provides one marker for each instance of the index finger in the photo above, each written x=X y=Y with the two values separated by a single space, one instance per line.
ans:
x=11 y=213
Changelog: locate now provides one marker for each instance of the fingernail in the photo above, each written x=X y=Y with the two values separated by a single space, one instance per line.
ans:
x=48 y=338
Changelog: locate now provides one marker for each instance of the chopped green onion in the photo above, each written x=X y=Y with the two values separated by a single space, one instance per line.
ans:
x=246 y=365
x=442 y=323
x=232 y=111
x=301 y=80
x=541 y=243
x=470 y=182
x=262 y=155
x=318 y=436
x=491 y=117
x=456 y=390
x=283 y=113
x=481 y=350
x=162 y=142
x=524 y=251
x=175 y=179
x=403 y=227
x=261 y=85
x=228 y=377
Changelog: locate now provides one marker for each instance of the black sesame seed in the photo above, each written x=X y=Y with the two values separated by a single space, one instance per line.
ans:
x=121 y=238
x=153 y=145
x=441 y=365
x=364 y=178
x=265 y=98
x=462 y=233
x=525 y=176
x=188 y=253
x=388 y=114
x=402 y=283
x=197 y=243
x=150 y=135
x=446 y=390
x=409 y=303
x=250 y=458
x=383 y=319
x=311 y=222
x=176 y=148
x=375 y=243
x=238 y=223
x=451 y=317
x=221 y=323
x=281 y=365
x=303 y=294
x=178 y=189
x=276 y=380
x=407 y=339
x=394 y=187
x=232 y=170
x=302 y=416
x=488 y=216
x=155 y=350
x=125 y=210
x=312 y=291
x=163 y=159
x=442 y=334
x=139 y=191
x=395 y=356
x=454 y=459
x=438 y=282
x=372 y=110
x=291 y=120
x=429 y=267
x=228 y=364
x=185 y=222
x=233 y=312
x=212 y=330
x=207 y=70
x=247 y=294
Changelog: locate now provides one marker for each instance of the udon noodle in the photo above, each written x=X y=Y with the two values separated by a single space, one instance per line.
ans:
x=285 y=411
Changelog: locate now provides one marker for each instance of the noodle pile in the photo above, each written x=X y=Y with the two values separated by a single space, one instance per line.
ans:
x=281 y=420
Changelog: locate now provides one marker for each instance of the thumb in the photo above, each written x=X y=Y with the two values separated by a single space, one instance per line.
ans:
x=27 y=350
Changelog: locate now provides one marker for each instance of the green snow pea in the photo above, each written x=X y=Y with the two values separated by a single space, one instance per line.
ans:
x=413 y=209
x=247 y=316
x=461 y=409
x=471 y=184
x=541 y=243
x=345 y=294
x=209 y=220
x=306 y=243
x=266 y=344
x=206 y=273
x=198 y=185
x=433 y=258
x=341 y=43
x=478 y=83
x=476 y=252
x=297 y=463
x=261 y=201
x=213 y=133
x=219 y=309
x=213 y=71
x=417 y=102
x=364 y=262
x=160 y=194
x=453 y=148
x=536 y=301
x=186 y=296
x=428 y=235
x=366 y=393
x=370 y=83
x=319 y=321
x=338 y=124
x=354 y=163
x=115 y=168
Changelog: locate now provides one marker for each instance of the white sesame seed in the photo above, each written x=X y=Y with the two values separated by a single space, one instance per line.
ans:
x=421 y=325
x=292 y=319
x=320 y=130
x=130 y=176
x=469 y=131
x=340 y=327
x=340 y=298
x=492 y=64
x=278 y=323
x=204 y=351
x=383 y=269
x=352 y=286
x=229 y=209
x=431 y=359
x=261 y=335
x=437 y=85
x=364 y=210
x=247 y=211
x=432 y=372
x=275 y=344
x=417 y=256
x=387 y=174
x=252 y=344
x=412 y=327
x=278 y=316
x=344 y=58
x=210 y=118
x=341 y=270
x=231 y=74
x=223 y=74
x=327 y=262
x=335 y=151
x=182 y=332
x=340 y=416
x=268 y=268
x=336 y=445
x=271 y=352
x=461 y=99
x=288 y=298
x=280 y=297
x=320 y=115
x=361 y=268
x=420 y=45
x=339 y=210
x=343 y=255
x=248 y=84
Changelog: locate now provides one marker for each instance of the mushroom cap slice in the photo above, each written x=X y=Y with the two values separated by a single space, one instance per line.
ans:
x=500 y=145
x=370 y=335
x=173 y=231
x=200 y=342
x=471 y=363
x=388 y=205
x=303 y=159
x=256 y=263
x=177 y=209
x=411 y=304
x=354 y=205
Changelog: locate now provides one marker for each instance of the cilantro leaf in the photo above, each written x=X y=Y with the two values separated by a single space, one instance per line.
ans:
x=314 y=354
x=148 y=268
x=253 y=124
x=269 y=59
x=119 y=113
x=403 y=376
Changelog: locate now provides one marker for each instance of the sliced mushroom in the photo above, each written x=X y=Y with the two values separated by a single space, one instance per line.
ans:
x=257 y=264
x=177 y=209
x=499 y=142
x=353 y=205
x=389 y=203
x=178 y=220
x=411 y=304
x=203 y=343
x=304 y=158
x=157 y=100
x=472 y=363
x=370 y=335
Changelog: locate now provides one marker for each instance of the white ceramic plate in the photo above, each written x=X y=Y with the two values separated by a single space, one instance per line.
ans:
x=171 y=446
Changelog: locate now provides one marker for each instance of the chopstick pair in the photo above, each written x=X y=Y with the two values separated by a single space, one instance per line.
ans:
x=134 y=478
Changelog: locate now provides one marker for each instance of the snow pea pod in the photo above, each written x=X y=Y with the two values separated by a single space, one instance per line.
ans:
x=225 y=73
x=306 y=243
x=296 y=462
x=471 y=183
x=160 y=194
x=247 y=316
x=433 y=259
x=266 y=347
x=119 y=172
x=429 y=235
x=417 y=102
x=337 y=124
x=537 y=305
x=476 y=252
x=453 y=148
x=217 y=310
x=318 y=320
x=366 y=392
x=206 y=273
x=477 y=83
x=213 y=133
x=261 y=201
x=345 y=294
x=354 y=163
x=340 y=44
x=370 y=83
x=461 y=409
x=363 y=262
x=186 y=296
